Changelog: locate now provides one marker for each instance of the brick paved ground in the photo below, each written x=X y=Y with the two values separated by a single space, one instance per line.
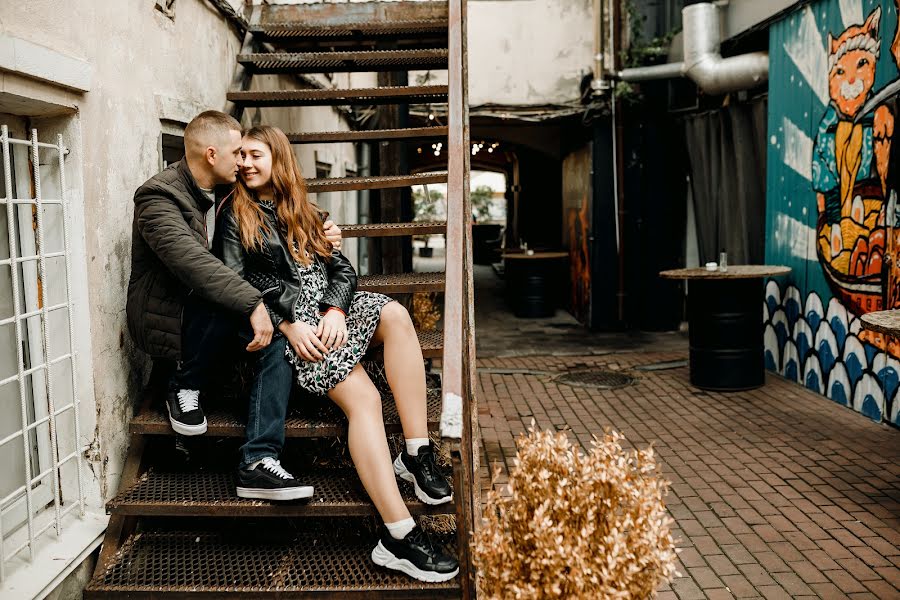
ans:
x=776 y=493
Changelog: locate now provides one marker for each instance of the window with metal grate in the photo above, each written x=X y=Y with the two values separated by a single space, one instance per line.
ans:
x=41 y=478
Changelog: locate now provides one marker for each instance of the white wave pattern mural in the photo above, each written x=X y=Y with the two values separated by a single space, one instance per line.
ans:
x=820 y=348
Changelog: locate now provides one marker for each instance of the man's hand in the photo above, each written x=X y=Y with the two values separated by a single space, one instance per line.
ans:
x=261 y=323
x=303 y=340
x=332 y=329
x=333 y=234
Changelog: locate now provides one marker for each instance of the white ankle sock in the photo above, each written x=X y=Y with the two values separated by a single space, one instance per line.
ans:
x=413 y=445
x=400 y=529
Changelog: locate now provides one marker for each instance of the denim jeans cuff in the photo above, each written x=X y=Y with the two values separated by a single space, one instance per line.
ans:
x=256 y=458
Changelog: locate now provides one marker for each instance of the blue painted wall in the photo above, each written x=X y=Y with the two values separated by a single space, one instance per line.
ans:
x=831 y=212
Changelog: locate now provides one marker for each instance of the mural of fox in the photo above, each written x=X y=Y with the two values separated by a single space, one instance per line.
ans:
x=858 y=230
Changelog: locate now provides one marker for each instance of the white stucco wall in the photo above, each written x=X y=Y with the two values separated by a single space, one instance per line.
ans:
x=146 y=68
x=528 y=51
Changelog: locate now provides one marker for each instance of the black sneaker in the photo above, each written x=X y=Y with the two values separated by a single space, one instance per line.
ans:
x=416 y=555
x=269 y=481
x=185 y=414
x=422 y=471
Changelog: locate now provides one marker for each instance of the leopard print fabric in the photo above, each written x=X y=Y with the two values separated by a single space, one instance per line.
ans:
x=362 y=319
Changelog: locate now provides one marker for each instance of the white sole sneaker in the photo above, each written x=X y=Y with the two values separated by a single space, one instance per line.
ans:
x=403 y=473
x=185 y=429
x=383 y=557
x=295 y=493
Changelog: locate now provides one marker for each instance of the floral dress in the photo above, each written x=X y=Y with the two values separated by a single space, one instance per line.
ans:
x=362 y=319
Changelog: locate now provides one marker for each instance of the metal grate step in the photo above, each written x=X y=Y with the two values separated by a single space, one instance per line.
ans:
x=323 y=419
x=338 y=492
x=381 y=182
x=358 y=96
x=392 y=229
x=345 y=62
x=277 y=560
x=411 y=133
x=402 y=283
x=292 y=32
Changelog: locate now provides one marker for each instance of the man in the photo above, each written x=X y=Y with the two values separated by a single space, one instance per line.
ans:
x=183 y=302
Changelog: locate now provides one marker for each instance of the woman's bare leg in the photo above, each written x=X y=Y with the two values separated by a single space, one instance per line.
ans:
x=404 y=367
x=361 y=402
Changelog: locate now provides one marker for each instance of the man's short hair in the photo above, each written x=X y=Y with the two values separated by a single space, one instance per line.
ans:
x=209 y=128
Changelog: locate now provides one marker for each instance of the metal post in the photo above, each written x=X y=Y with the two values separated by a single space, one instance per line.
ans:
x=61 y=151
x=48 y=380
x=17 y=312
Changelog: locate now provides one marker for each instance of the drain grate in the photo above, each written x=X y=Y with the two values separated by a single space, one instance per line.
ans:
x=596 y=378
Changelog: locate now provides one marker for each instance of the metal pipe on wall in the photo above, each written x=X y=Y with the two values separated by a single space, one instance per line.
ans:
x=703 y=62
x=599 y=84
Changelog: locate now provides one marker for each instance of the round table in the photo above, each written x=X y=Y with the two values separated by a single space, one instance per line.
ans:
x=532 y=282
x=886 y=322
x=725 y=326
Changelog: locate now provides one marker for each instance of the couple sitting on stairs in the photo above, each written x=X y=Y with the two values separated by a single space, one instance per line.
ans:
x=260 y=268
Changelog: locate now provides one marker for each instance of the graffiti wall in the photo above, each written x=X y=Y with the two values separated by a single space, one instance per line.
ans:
x=832 y=212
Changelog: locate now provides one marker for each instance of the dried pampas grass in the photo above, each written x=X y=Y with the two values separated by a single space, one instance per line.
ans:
x=425 y=311
x=587 y=526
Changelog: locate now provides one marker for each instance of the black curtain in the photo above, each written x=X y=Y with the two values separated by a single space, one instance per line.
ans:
x=727 y=154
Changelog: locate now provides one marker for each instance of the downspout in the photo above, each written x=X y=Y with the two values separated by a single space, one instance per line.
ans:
x=599 y=84
x=703 y=62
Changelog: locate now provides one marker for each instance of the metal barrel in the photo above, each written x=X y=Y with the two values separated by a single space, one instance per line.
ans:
x=726 y=334
x=531 y=288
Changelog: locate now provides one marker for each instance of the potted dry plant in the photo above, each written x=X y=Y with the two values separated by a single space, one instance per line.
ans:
x=588 y=526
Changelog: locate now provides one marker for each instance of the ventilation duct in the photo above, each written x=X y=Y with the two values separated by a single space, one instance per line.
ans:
x=703 y=63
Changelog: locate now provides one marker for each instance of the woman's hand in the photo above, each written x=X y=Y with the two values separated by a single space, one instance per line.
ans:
x=332 y=329
x=332 y=234
x=303 y=340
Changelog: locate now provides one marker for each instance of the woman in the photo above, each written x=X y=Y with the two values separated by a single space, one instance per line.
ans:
x=272 y=235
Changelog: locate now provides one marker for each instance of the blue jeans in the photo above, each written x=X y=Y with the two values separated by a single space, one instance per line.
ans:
x=207 y=331
x=269 y=395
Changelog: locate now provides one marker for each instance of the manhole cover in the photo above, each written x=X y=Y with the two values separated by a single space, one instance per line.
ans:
x=596 y=378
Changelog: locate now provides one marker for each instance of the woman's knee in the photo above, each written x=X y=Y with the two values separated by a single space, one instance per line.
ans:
x=395 y=315
x=365 y=405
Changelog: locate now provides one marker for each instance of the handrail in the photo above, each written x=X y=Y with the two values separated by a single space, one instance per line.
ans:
x=453 y=373
x=457 y=370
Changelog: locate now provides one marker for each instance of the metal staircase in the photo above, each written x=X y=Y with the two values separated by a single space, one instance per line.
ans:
x=177 y=529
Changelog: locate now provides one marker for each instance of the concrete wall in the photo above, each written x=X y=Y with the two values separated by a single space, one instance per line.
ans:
x=528 y=51
x=149 y=74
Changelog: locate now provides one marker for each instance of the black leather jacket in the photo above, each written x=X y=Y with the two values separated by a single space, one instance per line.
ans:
x=272 y=270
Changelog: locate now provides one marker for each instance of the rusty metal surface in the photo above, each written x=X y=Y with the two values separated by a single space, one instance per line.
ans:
x=392 y=229
x=458 y=364
x=323 y=419
x=288 y=559
x=338 y=492
x=344 y=62
x=577 y=196
x=402 y=283
x=336 y=14
x=382 y=182
x=361 y=96
x=411 y=133
x=355 y=31
x=596 y=378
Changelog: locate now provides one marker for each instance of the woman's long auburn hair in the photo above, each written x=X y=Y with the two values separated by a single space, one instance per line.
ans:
x=298 y=218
